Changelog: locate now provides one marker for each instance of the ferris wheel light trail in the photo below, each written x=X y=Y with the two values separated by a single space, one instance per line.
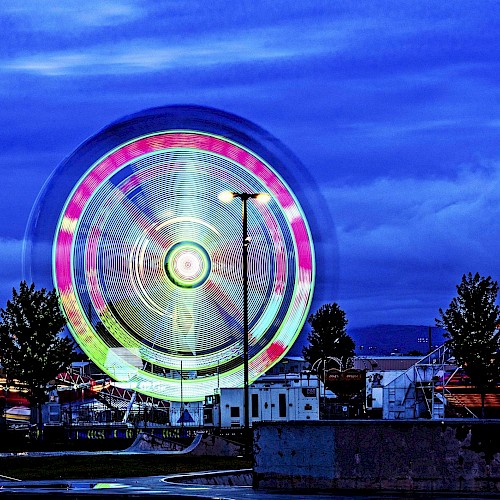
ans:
x=226 y=196
x=147 y=262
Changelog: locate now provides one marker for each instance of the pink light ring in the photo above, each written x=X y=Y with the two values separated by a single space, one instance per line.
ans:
x=64 y=282
x=281 y=268
x=133 y=150
x=94 y=180
x=63 y=261
x=90 y=262
x=293 y=321
x=80 y=197
x=74 y=208
x=280 y=260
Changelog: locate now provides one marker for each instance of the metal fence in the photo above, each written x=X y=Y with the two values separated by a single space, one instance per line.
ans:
x=97 y=414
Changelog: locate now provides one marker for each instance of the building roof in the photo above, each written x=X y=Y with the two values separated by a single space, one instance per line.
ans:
x=381 y=363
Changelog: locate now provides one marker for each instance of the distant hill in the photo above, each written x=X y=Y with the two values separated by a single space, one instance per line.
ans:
x=382 y=340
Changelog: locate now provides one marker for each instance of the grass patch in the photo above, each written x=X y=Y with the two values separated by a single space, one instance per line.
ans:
x=112 y=466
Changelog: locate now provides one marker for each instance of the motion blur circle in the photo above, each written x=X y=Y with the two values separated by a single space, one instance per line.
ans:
x=148 y=262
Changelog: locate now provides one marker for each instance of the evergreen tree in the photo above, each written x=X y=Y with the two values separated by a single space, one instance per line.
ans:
x=32 y=352
x=328 y=337
x=472 y=328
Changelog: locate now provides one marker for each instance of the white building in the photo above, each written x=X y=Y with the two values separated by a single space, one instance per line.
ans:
x=271 y=398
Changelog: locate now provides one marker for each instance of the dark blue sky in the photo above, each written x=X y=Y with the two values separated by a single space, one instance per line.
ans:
x=393 y=108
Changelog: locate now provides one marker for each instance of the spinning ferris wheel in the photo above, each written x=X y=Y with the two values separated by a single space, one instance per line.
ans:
x=147 y=261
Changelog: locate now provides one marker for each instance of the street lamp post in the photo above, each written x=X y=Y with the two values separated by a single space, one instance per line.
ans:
x=227 y=197
x=246 y=423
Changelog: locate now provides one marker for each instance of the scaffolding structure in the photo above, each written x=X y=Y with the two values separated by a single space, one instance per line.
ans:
x=419 y=391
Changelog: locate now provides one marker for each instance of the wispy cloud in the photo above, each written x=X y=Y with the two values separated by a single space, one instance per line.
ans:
x=383 y=130
x=143 y=55
x=72 y=14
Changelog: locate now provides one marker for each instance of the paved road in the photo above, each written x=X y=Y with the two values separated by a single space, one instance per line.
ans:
x=145 y=486
x=160 y=486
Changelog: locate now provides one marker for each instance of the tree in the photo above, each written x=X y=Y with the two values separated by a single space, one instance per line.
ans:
x=32 y=351
x=472 y=328
x=328 y=337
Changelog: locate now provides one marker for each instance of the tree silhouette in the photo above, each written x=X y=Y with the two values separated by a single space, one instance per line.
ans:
x=328 y=337
x=31 y=350
x=472 y=324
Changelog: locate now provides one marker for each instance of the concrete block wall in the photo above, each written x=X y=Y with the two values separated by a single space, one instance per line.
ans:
x=370 y=455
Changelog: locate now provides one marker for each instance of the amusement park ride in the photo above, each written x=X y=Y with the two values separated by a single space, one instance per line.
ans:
x=148 y=262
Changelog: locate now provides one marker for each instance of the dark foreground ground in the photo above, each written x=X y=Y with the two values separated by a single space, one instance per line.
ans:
x=143 y=475
x=94 y=458
x=111 y=465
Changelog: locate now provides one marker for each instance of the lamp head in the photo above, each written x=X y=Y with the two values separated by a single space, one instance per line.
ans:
x=225 y=196
x=263 y=198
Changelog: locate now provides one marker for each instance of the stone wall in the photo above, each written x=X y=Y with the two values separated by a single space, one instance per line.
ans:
x=450 y=456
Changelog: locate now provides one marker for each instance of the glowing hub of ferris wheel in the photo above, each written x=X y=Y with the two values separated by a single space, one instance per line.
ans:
x=148 y=262
x=187 y=264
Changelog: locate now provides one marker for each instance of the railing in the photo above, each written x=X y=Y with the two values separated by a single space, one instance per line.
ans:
x=97 y=414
